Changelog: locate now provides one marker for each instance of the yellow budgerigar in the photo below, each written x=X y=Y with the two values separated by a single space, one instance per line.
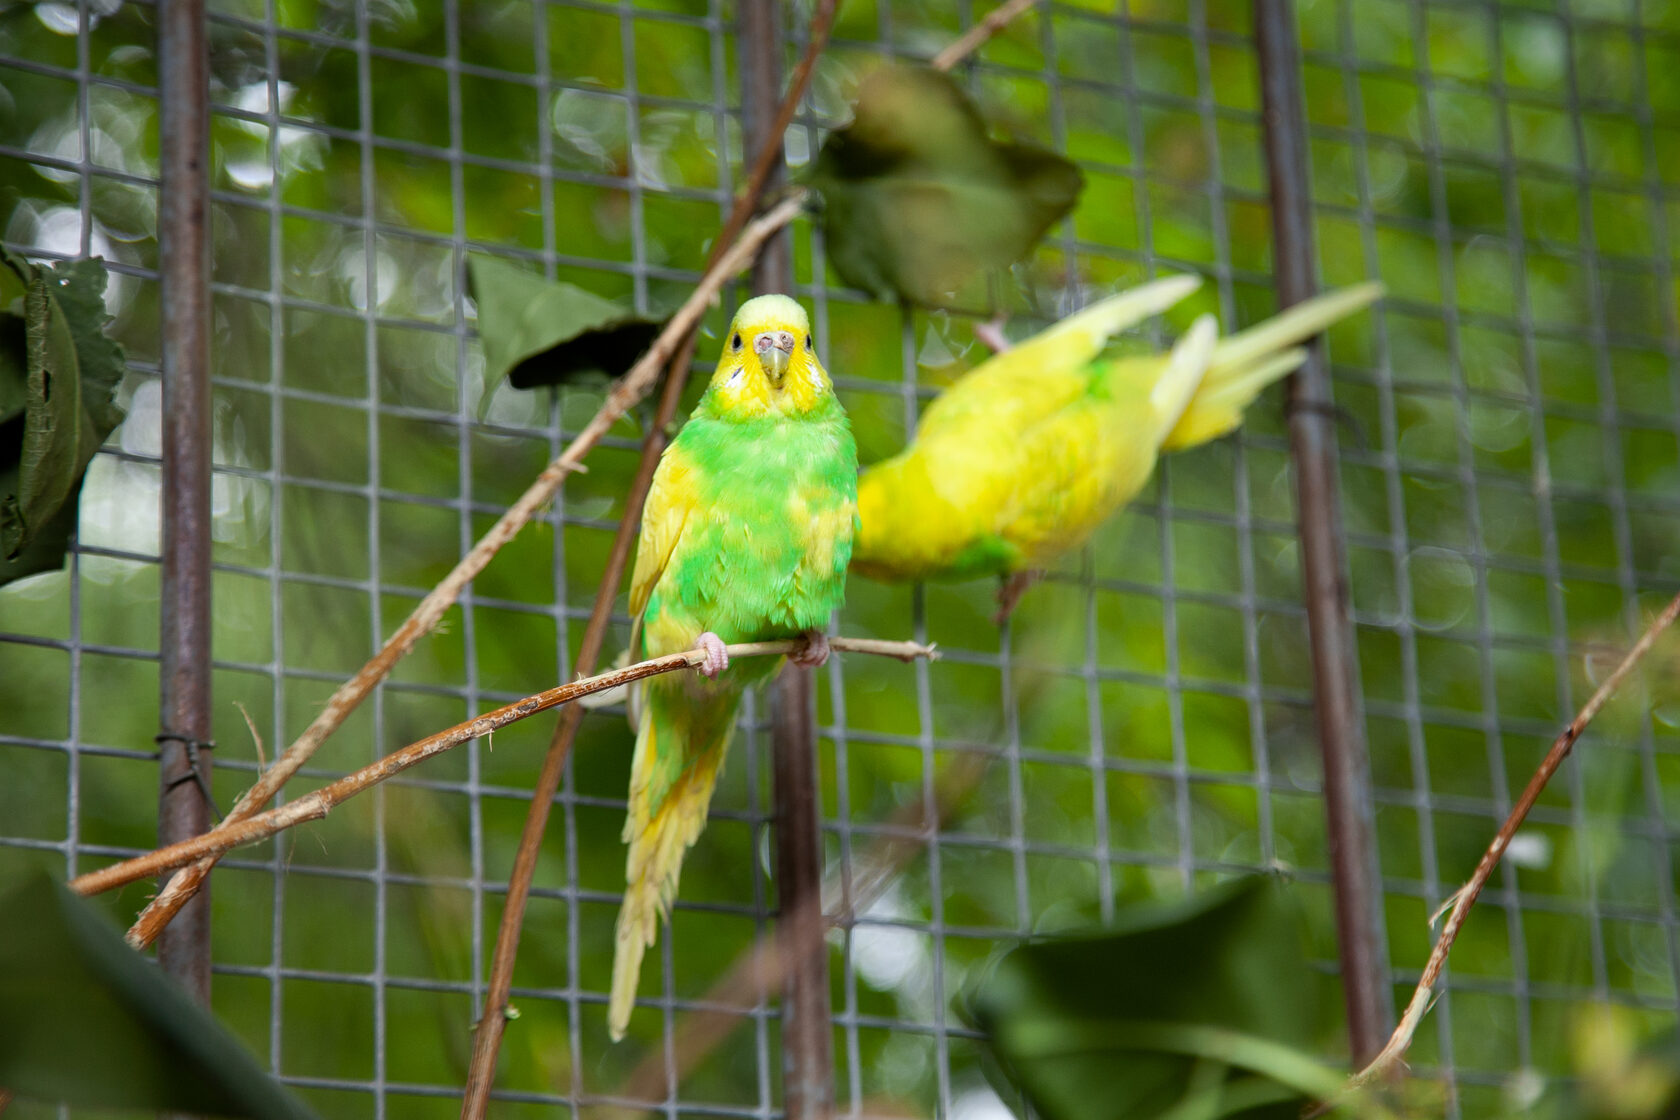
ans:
x=1023 y=457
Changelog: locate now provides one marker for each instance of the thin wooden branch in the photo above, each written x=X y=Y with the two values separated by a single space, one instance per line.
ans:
x=763 y=966
x=977 y=36
x=1391 y=1055
x=492 y=1022
x=629 y=389
x=315 y=805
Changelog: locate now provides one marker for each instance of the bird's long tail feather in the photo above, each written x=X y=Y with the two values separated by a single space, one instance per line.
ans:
x=1249 y=360
x=1186 y=366
x=680 y=746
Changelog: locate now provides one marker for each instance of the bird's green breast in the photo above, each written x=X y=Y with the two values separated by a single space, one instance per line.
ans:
x=764 y=554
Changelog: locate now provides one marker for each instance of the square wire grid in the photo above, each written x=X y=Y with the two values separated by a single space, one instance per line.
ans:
x=1508 y=467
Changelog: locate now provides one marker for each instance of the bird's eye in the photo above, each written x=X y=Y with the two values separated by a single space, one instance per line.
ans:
x=735 y=342
x=807 y=342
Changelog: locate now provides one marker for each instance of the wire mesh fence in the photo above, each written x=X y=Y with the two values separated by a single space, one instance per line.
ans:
x=1508 y=448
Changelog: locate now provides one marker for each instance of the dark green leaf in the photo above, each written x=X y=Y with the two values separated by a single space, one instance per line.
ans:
x=52 y=421
x=1210 y=999
x=14 y=365
x=86 y=1020
x=919 y=203
x=58 y=378
x=48 y=544
x=13 y=282
x=14 y=344
x=79 y=289
x=542 y=332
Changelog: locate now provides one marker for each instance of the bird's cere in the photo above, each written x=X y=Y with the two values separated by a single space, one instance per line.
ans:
x=774 y=350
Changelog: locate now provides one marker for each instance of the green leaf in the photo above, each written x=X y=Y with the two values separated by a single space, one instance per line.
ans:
x=920 y=204
x=86 y=1020
x=1204 y=1007
x=543 y=332
x=52 y=422
x=13 y=282
x=14 y=364
x=47 y=544
x=58 y=378
x=80 y=294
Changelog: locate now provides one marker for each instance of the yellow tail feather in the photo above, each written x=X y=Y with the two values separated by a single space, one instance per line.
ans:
x=1182 y=376
x=1293 y=325
x=1249 y=360
x=661 y=826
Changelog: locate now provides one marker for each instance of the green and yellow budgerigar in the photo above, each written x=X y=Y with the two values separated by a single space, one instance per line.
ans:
x=746 y=535
x=1023 y=457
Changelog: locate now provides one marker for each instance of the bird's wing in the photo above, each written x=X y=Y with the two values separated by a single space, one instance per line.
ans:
x=1075 y=469
x=670 y=502
x=1081 y=336
x=1027 y=384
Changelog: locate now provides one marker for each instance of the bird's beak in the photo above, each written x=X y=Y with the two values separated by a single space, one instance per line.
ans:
x=774 y=350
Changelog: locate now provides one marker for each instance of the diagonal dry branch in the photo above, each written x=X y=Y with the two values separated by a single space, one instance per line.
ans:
x=626 y=392
x=1390 y=1057
x=315 y=805
x=975 y=37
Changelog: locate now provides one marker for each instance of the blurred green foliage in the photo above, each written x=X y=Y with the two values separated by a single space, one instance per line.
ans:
x=1203 y=1007
x=58 y=374
x=86 y=1020
x=919 y=204
x=538 y=332
x=1510 y=517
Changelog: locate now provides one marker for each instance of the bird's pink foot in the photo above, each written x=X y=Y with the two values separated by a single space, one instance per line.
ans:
x=717 y=657
x=815 y=652
x=1014 y=586
x=991 y=333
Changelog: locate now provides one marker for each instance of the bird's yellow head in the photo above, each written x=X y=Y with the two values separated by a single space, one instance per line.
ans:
x=769 y=365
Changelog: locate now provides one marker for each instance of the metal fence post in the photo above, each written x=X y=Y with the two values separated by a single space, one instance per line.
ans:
x=184 y=641
x=1341 y=733
x=807 y=1040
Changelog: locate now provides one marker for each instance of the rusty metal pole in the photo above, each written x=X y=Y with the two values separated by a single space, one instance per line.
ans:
x=184 y=642
x=807 y=1032
x=1312 y=436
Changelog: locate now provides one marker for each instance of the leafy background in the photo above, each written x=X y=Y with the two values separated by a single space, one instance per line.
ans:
x=1509 y=469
